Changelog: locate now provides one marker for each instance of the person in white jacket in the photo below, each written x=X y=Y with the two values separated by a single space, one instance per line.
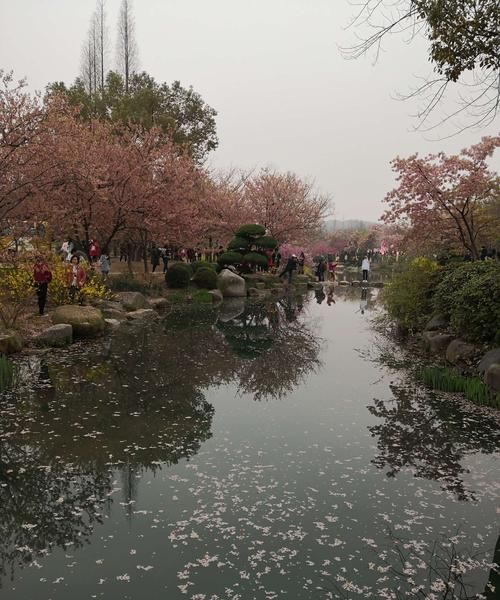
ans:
x=365 y=266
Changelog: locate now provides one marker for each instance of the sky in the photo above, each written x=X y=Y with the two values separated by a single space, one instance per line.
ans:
x=286 y=97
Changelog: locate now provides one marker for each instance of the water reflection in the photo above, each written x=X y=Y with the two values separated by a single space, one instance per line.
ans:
x=430 y=436
x=79 y=426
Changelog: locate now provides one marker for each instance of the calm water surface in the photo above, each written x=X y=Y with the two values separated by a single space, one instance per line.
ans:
x=272 y=451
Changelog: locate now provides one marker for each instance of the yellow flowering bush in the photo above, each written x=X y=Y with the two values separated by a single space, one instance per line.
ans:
x=94 y=286
x=16 y=291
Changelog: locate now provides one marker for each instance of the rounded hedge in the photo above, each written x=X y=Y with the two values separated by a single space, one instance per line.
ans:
x=202 y=264
x=251 y=230
x=266 y=241
x=230 y=258
x=254 y=258
x=238 y=243
x=205 y=279
x=178 y=275
x=469 y=295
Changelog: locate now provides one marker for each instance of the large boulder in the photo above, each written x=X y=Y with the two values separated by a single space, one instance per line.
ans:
x=216 y=295
x=10 y=342
x=459 y=352
x=113 y=313
x=132 y=300
x=490 y=358
x=56 y=336
x=160 y=304
x=86 y=321
x=231 y=285
x=492 y=377
x=437 y=322
x=439 y=343
x=230 y=309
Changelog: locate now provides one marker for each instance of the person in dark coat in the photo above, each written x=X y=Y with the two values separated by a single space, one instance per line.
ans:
x=290 y=267
x=42 y=276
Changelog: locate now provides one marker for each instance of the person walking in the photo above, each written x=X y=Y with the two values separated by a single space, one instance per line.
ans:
x=155 y=257
x=42 y=276
x=290 y=267
x=302 y=262
x=75 y=279
x=165 y=257
x=365 y=267
x=94 y=251
x=105 y=265
x=332 y=265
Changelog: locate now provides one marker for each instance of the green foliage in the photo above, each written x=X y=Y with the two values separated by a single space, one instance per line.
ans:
x=202 y=264
x=469 y=295
x=6 y=372
x=202 y=297
x=205 y=278
x=251 y=230
x=266 y=241
x=408 y=298
x=443 y=379
x=238 y=243
x=254 y=258
x=127 y=283
x=230 y=258
x=179 y=112
x=178 y=275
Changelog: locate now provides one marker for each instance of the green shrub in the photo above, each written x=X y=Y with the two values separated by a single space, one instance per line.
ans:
x=254 y=258
x=205 y=279
x=469 y=295
x=266 y=241
x=127 y=283
x=238 y=243
x=230 y=258
x=202 y=264
x=251 y=230
x=178 y=275
x=408 y=298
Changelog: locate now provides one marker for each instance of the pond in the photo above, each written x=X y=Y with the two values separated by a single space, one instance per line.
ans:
x=275 y=450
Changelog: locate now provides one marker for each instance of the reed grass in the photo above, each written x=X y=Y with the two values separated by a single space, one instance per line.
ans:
x=444 y=380
x=6 y=372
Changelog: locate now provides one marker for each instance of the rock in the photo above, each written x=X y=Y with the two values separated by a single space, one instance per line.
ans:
x=439 y=342
x=230 y=309
x=377 y=284
x=132 y=300
x=459 y=352
x=142 y=314
x=300 y=287
x=10 y=342
x=492 y=377
x=344 y=282
x=356 y=283
x=112 y=313
x=314 y=285
x=490 y=358
x=260 y=285
x=56 y=336
x=437 y=322
x=216 y=295
x=86 y=321
x=231 y=285
x=113 y=323
x=159 y=304
x=253 y=291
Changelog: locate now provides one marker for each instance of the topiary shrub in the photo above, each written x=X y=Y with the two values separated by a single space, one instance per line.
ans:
x=469 y=295
x=266 y=241
x=251 y=230
x=256 y=259
x=238 y=243
x=408 y=298
x=230 y=258
x=178 y=275
x=205 y=279
x=202 y=264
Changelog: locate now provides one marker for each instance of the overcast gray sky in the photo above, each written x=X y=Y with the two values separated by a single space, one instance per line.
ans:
x=271 y=68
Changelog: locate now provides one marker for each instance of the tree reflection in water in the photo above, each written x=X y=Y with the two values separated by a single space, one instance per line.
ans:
x=81 y=424
x=431 y=436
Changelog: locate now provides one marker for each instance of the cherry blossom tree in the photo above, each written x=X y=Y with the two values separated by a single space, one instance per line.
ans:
x=447 y=202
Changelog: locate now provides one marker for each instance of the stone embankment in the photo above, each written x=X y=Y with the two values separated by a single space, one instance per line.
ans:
x=467 y=357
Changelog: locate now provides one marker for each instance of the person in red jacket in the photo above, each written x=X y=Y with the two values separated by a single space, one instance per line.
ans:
x=94 y=251
x=75 y=278
x=42 y=276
